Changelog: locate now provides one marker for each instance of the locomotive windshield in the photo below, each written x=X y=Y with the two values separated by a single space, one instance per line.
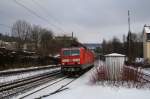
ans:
x=71 y=52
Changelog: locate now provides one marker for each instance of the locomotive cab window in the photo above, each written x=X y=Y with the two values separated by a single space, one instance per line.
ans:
x=75 y=52
x=66 y=52
x=71 y=52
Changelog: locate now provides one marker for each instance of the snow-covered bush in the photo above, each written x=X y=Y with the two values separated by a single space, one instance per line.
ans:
x=99 y=74
x=128 y=77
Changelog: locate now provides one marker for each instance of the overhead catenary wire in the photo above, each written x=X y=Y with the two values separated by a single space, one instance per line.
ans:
x=37 y=15
x=46 y=11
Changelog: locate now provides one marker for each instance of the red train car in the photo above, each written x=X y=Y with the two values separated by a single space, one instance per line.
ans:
x=75 y=59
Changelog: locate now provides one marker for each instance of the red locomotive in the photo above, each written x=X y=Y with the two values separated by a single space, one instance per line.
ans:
x=75 y=59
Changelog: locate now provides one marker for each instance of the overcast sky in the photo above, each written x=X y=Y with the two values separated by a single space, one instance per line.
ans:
x=90 y=20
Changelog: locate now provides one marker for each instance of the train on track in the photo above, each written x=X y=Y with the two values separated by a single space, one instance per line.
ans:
x=76 y=59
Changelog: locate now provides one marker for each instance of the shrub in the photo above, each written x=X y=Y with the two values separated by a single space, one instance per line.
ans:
x=130 y=77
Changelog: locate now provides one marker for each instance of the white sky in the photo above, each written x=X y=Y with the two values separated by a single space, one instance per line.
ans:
x=90 y=20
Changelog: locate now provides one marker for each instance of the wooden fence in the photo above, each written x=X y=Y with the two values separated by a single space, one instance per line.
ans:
x=136 y=74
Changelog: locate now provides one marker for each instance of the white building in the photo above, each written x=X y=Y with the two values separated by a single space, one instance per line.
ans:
x=146 y=43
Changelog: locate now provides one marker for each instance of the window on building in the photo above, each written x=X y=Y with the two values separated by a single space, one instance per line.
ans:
x=148 y=36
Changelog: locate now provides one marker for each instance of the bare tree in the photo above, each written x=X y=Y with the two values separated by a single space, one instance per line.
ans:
x=46 y=42
x=36 y=36
x=22 y=30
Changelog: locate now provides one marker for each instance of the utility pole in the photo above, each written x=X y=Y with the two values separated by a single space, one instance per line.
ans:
x=72 y=35
x=129 y=40
x=129 y=21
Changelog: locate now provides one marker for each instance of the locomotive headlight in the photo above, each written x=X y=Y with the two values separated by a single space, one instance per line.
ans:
x=76 y=60
x=65 y=60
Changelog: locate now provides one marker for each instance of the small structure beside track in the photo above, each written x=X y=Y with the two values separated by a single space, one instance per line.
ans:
x=114 y=65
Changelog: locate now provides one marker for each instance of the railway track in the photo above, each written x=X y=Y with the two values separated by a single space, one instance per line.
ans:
x=55 y=83
x=20 y=86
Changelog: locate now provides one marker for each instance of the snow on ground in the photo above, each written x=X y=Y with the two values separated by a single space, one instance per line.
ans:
x=99 y=92
x=146 y=70
x=82 y=89
x=23 y=75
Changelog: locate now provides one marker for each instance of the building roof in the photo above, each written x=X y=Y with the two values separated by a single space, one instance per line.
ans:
x=92 y=45
x=114 y=55
x=147 y=29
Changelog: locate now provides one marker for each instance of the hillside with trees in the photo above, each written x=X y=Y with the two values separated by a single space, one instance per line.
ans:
x=31 y=45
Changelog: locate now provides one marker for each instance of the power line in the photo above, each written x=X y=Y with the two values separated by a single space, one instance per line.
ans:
x=36 y=14
x=45 y=10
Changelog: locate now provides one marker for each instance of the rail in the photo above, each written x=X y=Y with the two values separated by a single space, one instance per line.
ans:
x=10 y=89
x=63 y=87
